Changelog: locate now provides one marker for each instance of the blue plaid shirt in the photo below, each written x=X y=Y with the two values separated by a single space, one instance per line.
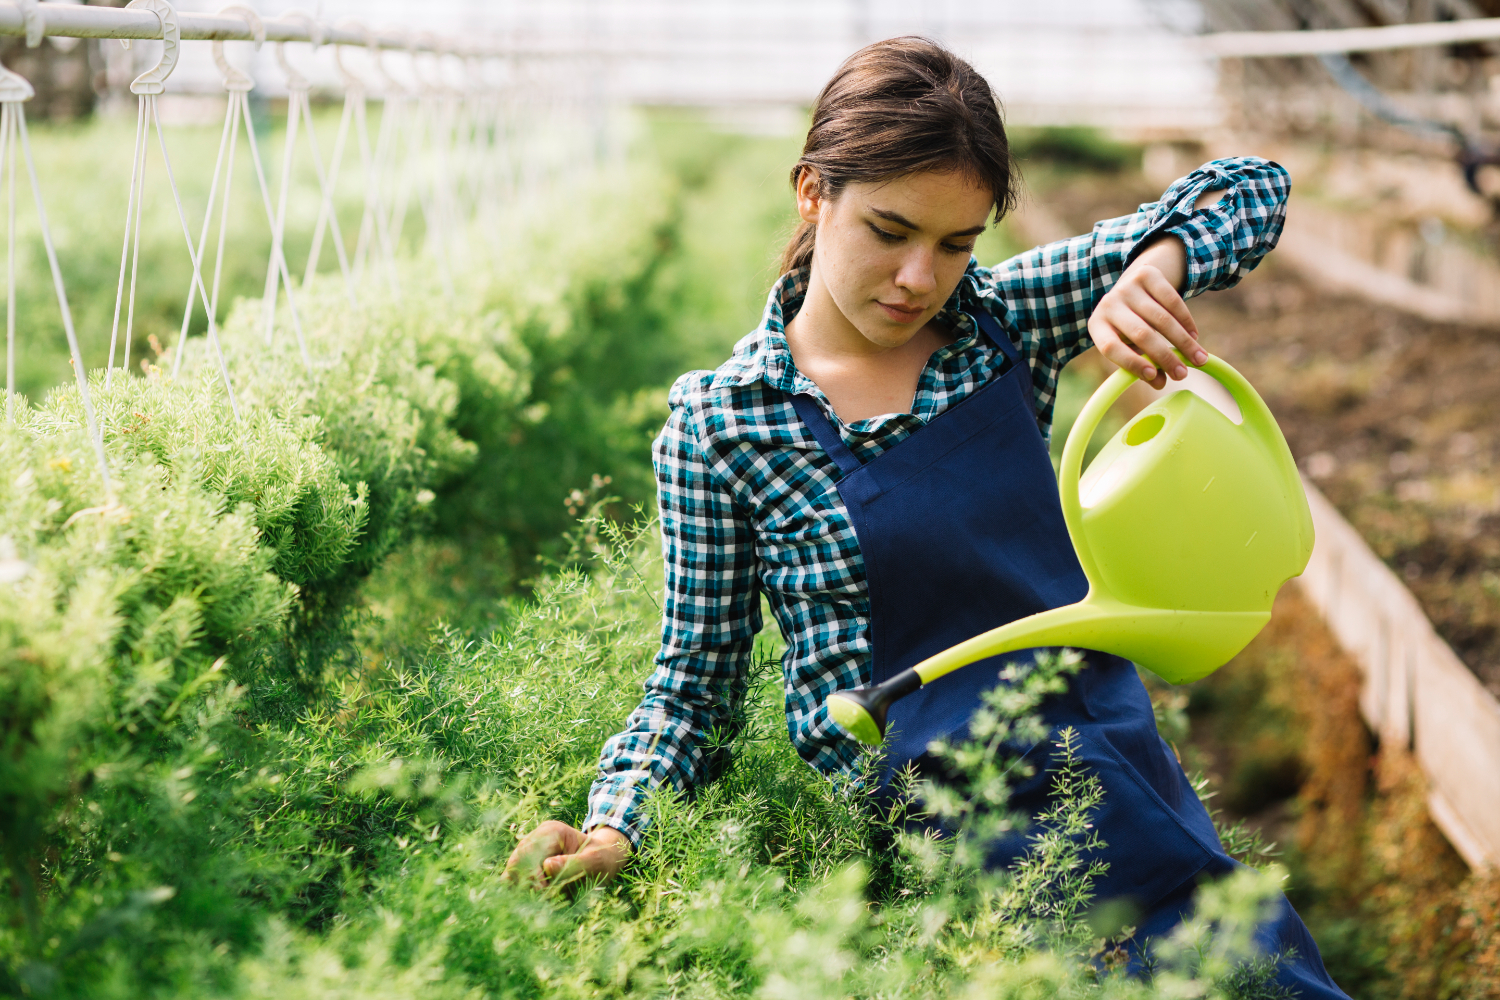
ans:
x=749 y=500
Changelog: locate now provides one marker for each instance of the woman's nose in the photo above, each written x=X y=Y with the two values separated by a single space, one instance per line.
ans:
x=916 y=274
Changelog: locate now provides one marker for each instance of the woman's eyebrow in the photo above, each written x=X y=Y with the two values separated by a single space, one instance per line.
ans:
x=901 y=220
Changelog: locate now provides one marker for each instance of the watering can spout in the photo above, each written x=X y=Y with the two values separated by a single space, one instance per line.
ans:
x=1160 y=640
x=1186 y=526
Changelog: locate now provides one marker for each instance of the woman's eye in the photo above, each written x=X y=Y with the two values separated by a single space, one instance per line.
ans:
x=967 y=248
x=884 y=236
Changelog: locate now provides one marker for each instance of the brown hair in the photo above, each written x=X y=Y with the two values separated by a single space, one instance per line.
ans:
x=898 y=107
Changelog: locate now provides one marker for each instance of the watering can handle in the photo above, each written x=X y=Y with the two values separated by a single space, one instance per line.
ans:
x=1255 y=418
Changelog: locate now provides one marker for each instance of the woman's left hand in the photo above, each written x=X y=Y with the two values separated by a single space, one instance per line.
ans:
x=1143 y=317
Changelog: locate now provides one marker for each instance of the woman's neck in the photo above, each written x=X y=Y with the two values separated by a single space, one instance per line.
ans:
x=861 y=378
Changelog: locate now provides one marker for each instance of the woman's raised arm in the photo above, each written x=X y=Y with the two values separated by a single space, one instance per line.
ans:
x=1050 y=292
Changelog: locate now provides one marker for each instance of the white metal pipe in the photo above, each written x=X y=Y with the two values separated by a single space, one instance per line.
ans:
x=1261 y=44
x=78 y=21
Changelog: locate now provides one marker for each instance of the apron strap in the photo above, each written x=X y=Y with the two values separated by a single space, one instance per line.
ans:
x=997 y=333
x=828 y=436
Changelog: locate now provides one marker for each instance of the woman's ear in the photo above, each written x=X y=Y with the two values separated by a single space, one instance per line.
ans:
x=810 y=199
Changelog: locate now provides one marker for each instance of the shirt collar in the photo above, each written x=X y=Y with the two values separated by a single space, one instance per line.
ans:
x=763 y=355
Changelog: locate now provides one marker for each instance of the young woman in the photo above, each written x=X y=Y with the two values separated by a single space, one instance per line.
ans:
x=873 y=459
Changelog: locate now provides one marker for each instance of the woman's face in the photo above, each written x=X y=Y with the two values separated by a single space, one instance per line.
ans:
x=891 y=252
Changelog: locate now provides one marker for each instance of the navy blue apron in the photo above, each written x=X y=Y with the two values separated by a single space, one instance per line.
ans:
x=961 y=531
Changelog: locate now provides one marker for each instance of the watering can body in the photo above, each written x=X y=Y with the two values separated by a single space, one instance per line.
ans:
x=1186 y=526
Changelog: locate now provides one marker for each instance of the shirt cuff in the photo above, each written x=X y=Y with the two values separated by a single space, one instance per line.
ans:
x=617 y=801
x=1225 y=240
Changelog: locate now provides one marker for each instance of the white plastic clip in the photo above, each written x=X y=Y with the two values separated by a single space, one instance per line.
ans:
x=294 y=80
x=315 y=34
x=36 y=24
x=423 y=43
x=392 y=85
x=234 y=77
x=13 y=86
x=154 y=80
x=352 y=83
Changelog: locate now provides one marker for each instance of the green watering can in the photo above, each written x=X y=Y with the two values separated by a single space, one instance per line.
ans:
x=1186 y=525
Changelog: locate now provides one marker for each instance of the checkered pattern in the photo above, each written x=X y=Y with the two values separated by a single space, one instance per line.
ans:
x=749 y=500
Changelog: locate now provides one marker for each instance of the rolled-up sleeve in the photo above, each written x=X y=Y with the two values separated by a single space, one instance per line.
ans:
x=677 y=736
x=1046 y=295
x=1227 y=239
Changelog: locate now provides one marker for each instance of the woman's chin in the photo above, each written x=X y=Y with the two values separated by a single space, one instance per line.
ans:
x=890 y=336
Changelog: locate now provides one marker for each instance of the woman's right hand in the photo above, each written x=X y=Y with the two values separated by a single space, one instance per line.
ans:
x=555 y=854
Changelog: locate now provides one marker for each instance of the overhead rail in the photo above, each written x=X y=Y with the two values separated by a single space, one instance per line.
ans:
x=64 y=20
x=1271 y=44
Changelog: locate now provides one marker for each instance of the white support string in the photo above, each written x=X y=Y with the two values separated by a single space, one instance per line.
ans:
x=8 y=160
x=444 y=193
x=236 y=85
x=355 y=107
x=231 y=123
x=277 y=257
x=19 y=118
x=234 y=134
x=327 y=217
x=432 y=113
x=132 y=224
x=213 y=329
x=390 y=140
x=276 y=266
x=147 y=87
x=356 y=104
x=14 y=93
x=493 y=166
x=375 y=229
x=135 y=262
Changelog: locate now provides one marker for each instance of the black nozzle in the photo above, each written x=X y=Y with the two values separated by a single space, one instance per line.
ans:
x=863 y=711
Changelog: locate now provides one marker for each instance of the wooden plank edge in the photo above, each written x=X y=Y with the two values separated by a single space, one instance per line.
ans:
x=1468 y=845
x=1351 y=587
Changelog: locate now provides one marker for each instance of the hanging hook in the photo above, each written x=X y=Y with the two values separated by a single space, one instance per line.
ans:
x=426 y=43
x=36 y=23
x=315 y=34
x=372 y=42
x=154 y=80
x=351 y=82
x=234 y=77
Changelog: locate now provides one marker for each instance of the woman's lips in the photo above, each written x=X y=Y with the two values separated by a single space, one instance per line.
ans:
x=900 y=315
